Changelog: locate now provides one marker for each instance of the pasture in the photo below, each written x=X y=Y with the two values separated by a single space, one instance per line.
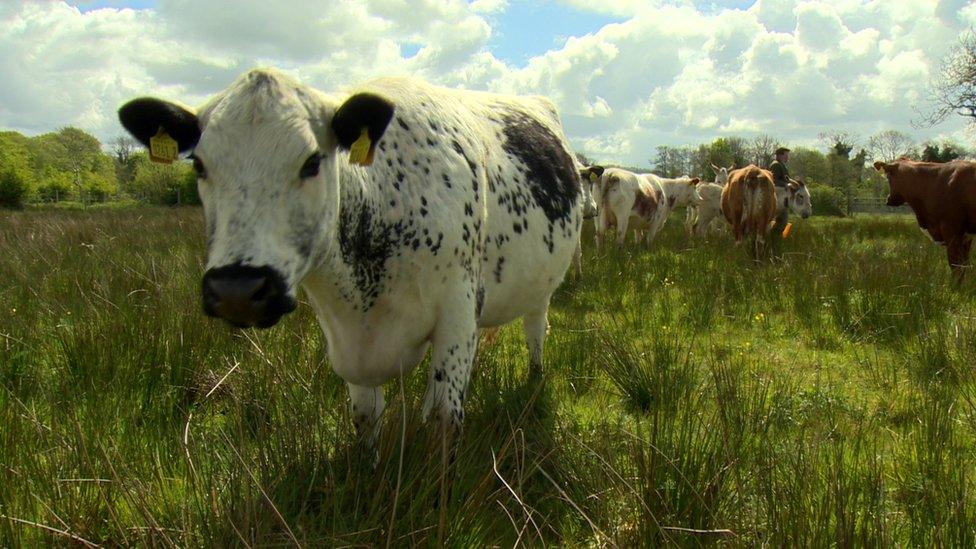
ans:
x=824 y=398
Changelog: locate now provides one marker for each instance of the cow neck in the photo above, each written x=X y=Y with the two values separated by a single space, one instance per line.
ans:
x=361 y=241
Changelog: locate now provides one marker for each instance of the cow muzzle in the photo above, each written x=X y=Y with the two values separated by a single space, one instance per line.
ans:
x=894 y=201
x=246 y=296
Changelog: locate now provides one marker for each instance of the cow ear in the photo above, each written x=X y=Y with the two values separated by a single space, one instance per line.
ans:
x=880 y=166
x=598 y=170
x=694 y=181
x=146 y=116
x=359 y=123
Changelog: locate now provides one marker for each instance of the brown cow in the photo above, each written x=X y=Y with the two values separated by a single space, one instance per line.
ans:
x=749 y=204
x=943 y=197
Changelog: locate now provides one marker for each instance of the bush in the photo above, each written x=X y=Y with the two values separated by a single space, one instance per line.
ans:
x=14 y=189
x=826 y=200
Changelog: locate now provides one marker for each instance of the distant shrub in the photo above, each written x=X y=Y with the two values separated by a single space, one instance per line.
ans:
x=826 y=200
x=14 y=189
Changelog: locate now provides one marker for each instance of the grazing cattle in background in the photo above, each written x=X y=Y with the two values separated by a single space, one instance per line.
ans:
x=625 y=198
x=943 y=197
x=749 y=204
x=682 y=193
x=467 y=216
x=709 y=210
x=794 y=197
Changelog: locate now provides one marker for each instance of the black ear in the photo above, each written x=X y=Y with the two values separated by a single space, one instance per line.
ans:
x=144 y=116
x=598 y=170
x=363 y=110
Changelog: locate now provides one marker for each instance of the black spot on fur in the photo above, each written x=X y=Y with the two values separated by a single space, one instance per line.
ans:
x=552 y=177
x=366 y=243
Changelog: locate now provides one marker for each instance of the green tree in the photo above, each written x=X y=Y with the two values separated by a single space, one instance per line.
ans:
x=164 y=183
x=17 y=182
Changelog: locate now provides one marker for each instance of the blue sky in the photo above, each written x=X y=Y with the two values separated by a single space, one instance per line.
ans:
x=530 y=28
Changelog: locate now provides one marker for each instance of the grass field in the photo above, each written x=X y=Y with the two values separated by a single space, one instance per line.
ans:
x=824 y=398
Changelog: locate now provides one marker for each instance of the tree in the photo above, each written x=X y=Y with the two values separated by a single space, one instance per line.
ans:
x=762 y=150
x=840 y=143
x=671 y=161
x=944 y=152
x=17 y=180
x=890 y=145
x=164 y=183
x=954 y=89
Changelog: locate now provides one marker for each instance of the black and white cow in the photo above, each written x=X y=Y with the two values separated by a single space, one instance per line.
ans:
x=467 y=217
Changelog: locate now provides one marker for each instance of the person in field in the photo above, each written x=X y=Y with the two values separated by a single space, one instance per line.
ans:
x=781 y=174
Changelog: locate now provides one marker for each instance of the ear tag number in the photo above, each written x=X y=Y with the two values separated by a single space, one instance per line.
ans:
x=163 y=148
x=361 y=151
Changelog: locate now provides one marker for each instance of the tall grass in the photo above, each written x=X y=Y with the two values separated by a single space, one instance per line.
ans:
x=691 y=397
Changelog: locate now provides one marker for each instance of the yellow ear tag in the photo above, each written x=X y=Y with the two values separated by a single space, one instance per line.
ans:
x=593 y=177
x=163 y=148
x=361 y=151
x=787 y=230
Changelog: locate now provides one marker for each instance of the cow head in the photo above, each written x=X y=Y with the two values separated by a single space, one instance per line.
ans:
x=590 y=179
x=799 y=198
x=896 y=191
x=722 y=174
x=266 y=153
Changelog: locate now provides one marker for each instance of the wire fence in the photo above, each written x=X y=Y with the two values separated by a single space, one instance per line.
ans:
x=876 y=206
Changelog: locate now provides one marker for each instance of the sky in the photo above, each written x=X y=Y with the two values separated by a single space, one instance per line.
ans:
x=627 y=75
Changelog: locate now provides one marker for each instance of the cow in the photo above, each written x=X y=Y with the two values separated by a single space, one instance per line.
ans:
x=794 y=197
x=454 y=210
x=708 y=209
x=749 y=205
x=624 y=197
x=943 y=198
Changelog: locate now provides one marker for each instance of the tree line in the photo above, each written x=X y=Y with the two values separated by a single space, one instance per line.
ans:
x=72 y=165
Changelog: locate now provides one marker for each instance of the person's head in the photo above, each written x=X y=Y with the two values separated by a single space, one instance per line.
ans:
x=783 y=154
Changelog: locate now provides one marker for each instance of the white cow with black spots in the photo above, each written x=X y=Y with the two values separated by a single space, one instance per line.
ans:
x=467 y=216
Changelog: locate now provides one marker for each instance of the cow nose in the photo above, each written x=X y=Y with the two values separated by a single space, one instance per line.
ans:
x=246 y=296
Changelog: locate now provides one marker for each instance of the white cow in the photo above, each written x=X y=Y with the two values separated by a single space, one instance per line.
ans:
x=624 y=197
x=708 y=212
x=467 y=216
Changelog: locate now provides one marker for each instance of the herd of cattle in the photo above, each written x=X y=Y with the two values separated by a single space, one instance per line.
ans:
x=453 y=210
x=746 y=198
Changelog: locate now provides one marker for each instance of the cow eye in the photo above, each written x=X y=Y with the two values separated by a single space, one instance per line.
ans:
x=311 y=166
x=199 y=167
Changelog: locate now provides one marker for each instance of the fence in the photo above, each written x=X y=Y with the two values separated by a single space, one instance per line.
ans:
x=876 y=206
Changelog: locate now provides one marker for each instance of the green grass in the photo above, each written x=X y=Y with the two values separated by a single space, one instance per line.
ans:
x=825 y=397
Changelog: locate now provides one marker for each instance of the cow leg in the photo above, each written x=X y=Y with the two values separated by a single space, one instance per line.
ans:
x=600 y=226
x=366 y=405
x=578 y=259
x=536 y=326
x=621 y=233
x=958 y=251
x=455 y=342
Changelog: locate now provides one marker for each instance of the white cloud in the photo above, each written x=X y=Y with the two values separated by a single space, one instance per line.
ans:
x=670 y=73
